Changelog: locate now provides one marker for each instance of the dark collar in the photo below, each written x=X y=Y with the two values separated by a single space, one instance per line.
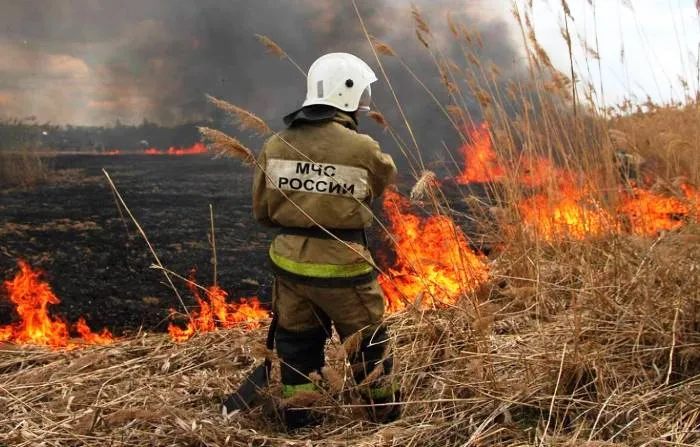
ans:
x=345 y=119
x=320 y=113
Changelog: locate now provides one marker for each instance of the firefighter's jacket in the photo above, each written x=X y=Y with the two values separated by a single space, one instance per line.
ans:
x=320 y=174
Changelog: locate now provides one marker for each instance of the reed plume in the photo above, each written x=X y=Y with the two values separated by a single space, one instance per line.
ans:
x=382 y=48
x=226 y=146
x=271 y=46
x=378 y=118
x=422 y=187
x=245 y=119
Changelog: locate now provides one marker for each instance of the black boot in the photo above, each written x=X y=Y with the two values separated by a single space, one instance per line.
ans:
x=385 y=410
x=296 y=418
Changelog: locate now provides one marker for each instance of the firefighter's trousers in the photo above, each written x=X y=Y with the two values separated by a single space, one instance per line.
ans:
x=306 y=314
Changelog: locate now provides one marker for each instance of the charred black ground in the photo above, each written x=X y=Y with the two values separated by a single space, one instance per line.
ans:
x=97 y=262
x=72 y=230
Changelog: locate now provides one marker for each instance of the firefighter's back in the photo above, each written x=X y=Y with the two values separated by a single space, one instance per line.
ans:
x=328 y=169
x=321 y=175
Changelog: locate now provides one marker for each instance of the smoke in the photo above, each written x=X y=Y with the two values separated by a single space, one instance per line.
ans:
x=98 y=61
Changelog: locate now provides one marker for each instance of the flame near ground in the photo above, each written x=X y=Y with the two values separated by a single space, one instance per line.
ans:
x=32 y=297
x=434 y=265
x=215 y=312
x=36 y=326
x=560 y=207
x=196 y=149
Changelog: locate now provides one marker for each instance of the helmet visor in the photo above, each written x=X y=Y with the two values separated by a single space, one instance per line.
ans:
x=365 y=100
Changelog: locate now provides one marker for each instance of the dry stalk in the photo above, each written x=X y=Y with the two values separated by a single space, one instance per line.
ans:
x=213 y=244
x=145 y=238
x=247 y=120
x=422 y=187
x=226 y=145
x=275 y=49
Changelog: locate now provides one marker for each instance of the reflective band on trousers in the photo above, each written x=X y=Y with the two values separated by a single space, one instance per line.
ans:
x=290 y=390
x=320 y=270
x=384 y=392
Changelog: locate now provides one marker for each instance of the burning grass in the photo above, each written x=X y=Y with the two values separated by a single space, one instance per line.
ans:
x=215 y=312
x=434 y=265
x=195 y=149
x=31 y=297
x=582 y=329
x=594 y=342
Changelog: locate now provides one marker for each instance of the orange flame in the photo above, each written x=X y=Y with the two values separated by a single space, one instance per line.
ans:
x=563 y=210
x=573 y=213
x=434 y=264
x=32 y=296
x=649 y=213
x=482 y=164
x=5 y=333
x=217 y=311
x=104 y=337
x=480 y=160
x=692 y=195
x=195 y=149
x=537 y=172
x=570 y=212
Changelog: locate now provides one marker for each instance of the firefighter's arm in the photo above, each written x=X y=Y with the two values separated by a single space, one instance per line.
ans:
x=260 y=191
x=382 y=169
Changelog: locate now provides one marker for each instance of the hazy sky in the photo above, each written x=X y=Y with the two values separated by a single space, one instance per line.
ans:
x=660 y=39
x=95 y=61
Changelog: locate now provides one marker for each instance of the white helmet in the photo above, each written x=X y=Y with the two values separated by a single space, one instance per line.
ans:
x=340 y=80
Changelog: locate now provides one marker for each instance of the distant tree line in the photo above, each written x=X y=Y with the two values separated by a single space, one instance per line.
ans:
x=28 y=133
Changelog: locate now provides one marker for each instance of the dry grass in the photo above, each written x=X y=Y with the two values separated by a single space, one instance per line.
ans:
x=245 y=119
x=605 y=349
x=668 y=138
x=591 y=342
x=225 y=145
x=22 y=169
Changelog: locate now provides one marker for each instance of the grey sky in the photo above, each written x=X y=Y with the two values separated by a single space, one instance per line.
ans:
x=95 y=61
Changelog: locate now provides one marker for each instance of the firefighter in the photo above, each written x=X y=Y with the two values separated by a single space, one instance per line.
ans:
x=320 y=173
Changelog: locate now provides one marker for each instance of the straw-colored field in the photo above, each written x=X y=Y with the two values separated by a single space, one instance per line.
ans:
x=590 y=343
x=580 y=328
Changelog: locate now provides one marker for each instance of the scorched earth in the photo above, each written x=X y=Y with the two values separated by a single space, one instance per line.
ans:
x=96 y=262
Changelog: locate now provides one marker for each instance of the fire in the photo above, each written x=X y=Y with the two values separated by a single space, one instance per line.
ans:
x=570 y=212
x=573 y=213
x=556 y=207
x=649 y=213
x=482 y=164
x=216 y=311
x=104 y=337
x=32 y=296
x=197 y=148
x=480 y=160
x=692 y=195
x=537 y=172
x=567 y=212
x=434 y=264
x=113 y=152
x=5 y=333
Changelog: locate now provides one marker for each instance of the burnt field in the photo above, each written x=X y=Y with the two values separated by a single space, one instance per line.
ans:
x=97 y=262
x=99 y=265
